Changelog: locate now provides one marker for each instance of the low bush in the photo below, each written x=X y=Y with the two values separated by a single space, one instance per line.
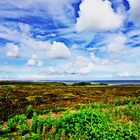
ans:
x=85 y=123
x=89 y=124
x=81 y=84
x=29 y=111
x=17 y=123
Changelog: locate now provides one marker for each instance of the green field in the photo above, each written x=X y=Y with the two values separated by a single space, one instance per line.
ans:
x=58 y=111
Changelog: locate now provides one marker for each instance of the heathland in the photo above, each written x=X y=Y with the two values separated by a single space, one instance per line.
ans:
x=59 y=111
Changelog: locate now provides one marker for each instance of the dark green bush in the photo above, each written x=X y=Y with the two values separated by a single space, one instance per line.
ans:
x=29 y=111
x=81 y=84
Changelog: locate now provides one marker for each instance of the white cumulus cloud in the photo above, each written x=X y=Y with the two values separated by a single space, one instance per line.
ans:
x=98 y=15
x=34 y=61
x=12 y=50
x=59 y=50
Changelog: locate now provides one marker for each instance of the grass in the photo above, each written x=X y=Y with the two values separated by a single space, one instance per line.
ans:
x=77 y=112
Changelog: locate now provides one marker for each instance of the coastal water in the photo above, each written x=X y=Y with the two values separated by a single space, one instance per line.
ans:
x=110 y=82
x=117 y=82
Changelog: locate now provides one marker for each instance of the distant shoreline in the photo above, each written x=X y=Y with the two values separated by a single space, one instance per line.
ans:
x=108 y=82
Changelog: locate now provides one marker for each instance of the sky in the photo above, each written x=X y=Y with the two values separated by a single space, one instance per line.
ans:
x=69 y=39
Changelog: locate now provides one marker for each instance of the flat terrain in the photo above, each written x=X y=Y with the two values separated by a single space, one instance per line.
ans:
x=59 y=111
x=57 y=97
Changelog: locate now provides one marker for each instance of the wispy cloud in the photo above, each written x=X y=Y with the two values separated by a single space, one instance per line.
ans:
x=69 y=39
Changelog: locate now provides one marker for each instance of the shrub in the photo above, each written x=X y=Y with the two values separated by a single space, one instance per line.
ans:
x=89 y=124
x=17 y=123
x=29 y=111
x=81 y=84
x=7 y=88
x=34 y=123
x=85 y=123
x=48 y=122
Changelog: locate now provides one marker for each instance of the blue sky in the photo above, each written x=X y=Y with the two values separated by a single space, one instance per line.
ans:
x=69 y=39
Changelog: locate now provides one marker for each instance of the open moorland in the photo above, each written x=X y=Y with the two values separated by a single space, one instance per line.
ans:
x=35 y=110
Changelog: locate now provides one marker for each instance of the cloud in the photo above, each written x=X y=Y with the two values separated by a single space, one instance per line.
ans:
x=117 y=48
x=9 y=33
x=104 y=76
x=12 y=50
x=117 y=43
x=119 y=6
x=56 y=50
x=122 y=48
x=87 y=54
x=21 y=34
x=79 y=66
x=98 y=60
x=129 y=74
x=43 y=9
x=34 y=61
x=20 y=3
x=25 y=28
x=98 y=15
x=59 y=50
x=32 y=77
x=86 y=69
x=134 y=11
x=124 y=74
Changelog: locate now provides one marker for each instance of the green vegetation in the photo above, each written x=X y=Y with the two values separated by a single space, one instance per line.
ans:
x=92 y=121
x=29 y=111
x=17 y=123
x=51 y=111
x=81 y=84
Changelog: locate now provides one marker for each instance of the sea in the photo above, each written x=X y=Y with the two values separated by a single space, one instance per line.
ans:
x=109 y=82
